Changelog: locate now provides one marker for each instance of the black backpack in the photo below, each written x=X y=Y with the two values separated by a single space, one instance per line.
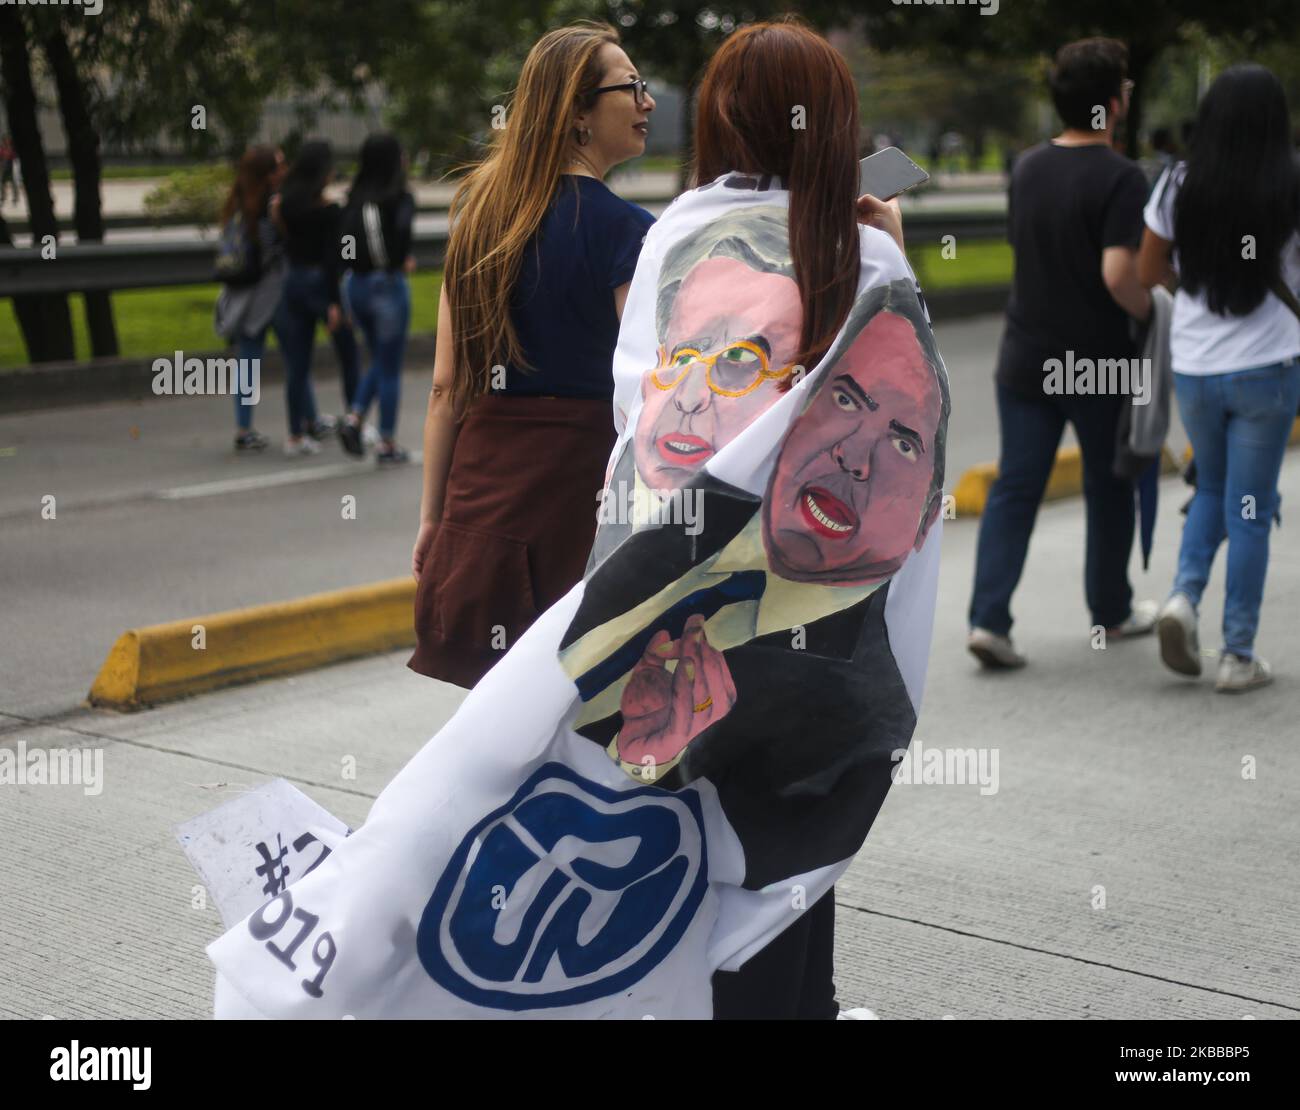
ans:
x=239 y=255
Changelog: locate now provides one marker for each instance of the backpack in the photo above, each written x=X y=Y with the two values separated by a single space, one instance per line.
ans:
x=239 y=256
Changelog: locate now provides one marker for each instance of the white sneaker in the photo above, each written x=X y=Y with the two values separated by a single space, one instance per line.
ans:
x=304 y=445
x=1140 y=621
x=993 y=651
x=1237 y=675
x=860 y=1013
x=369 y=435
x=1180 y=646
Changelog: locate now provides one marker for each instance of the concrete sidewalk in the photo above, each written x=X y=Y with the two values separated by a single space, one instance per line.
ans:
x=1113 y=774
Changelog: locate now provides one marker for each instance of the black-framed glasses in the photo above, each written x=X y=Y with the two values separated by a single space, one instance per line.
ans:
x=638 y=88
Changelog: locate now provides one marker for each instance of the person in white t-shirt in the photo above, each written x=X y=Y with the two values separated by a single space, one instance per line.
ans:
x=1226 y=222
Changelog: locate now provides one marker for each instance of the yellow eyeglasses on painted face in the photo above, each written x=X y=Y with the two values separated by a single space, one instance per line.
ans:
x=737 y=369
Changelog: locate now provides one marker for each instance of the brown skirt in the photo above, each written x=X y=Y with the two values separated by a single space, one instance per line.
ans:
x=517 y=525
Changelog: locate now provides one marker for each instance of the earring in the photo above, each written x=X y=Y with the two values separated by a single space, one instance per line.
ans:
x=583 y=135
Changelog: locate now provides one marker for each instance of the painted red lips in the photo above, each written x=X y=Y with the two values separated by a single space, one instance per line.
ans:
x=826 y=514
x=678 y=448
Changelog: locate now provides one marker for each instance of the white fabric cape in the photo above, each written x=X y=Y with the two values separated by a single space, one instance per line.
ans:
x=512 y=868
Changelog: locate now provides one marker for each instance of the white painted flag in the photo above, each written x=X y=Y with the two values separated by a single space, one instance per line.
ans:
x=685 y=752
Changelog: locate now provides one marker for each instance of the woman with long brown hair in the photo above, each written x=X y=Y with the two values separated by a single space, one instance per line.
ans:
x=518 y=430
x=250 y=264
x=770 y=277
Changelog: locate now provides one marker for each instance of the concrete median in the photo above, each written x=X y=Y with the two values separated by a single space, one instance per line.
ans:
x=165 y=661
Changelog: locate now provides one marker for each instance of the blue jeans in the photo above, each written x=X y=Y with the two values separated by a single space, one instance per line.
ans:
x=380 y=302
x=1030 y=430
x=248 y=347
x=305 y=302
x=1239 y=424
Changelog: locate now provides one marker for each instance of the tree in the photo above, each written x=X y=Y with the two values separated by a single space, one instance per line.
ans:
x=44 y=318
x=1028 y=28
x=83 y=151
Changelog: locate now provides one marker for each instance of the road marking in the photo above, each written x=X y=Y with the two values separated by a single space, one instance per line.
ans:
x=227 y=485
x=267 y=481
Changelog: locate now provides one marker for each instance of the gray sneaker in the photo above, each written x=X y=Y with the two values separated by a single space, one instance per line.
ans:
x=993 y=651
x=1180 y=646
x=1237 y=675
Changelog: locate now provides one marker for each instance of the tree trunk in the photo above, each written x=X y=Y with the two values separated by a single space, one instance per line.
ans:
x=1140 y=57
x=83 y=151
x=51 y=339
x=26 y=307
x=686 y=152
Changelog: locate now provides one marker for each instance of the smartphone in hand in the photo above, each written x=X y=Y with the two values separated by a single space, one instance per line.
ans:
x=887 y=173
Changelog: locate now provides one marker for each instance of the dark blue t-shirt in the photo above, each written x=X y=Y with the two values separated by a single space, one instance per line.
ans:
x=563 y=302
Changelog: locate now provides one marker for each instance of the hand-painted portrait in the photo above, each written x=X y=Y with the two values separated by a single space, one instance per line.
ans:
x=728 y=322
x=761 y=639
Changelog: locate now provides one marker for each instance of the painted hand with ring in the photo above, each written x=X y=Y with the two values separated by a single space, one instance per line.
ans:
x=665 y=709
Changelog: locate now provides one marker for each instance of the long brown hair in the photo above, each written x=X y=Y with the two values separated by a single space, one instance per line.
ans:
x=247 y=195
x=502 y=200
x=763 y=83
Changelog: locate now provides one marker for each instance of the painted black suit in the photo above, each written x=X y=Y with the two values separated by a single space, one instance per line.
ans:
x=802 y=762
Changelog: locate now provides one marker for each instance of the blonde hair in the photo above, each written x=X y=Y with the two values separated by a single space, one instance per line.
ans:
x=502 y=200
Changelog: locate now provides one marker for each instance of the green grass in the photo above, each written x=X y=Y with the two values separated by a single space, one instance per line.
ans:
x=156 y=322
x=122 y=173
x=987 y=263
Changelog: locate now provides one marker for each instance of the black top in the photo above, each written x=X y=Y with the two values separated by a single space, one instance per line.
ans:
x=312 y=234
x=312 y=239
x=382 y=233
x=1065 y=205
x=563 y=302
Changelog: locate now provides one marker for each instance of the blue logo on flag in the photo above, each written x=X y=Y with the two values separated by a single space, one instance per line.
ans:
x=571 y=891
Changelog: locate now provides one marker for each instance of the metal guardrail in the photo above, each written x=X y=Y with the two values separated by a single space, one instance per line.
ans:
x=78 y=268
x=112 y=266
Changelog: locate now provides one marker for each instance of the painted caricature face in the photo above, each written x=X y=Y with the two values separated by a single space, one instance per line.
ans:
x=851 y=483
x=729 y=343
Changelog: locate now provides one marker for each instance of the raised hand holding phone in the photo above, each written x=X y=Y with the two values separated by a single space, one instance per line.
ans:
x=881 y=177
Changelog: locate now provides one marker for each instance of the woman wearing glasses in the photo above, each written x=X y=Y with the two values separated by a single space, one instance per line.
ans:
x=518 y=431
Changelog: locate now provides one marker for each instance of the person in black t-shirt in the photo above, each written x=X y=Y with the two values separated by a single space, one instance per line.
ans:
x=1074 y=220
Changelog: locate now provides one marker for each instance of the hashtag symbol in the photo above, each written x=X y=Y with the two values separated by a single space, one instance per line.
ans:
x=275 y=870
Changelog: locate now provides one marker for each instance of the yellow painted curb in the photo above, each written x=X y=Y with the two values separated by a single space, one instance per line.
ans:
x=165 y=661
x=1066 y=480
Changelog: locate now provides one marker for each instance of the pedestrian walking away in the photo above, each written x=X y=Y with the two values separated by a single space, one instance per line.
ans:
x=251 y=268
x=313 y=248
x=377 y=226
x=1075 y=221
x=1225 y=221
